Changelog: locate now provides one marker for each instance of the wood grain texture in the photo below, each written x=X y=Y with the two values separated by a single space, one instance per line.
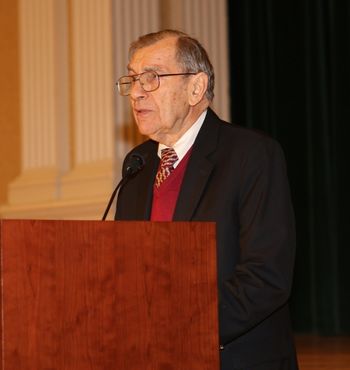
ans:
x=108 y=295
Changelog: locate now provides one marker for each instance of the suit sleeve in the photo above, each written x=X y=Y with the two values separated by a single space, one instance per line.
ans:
x=262 y=279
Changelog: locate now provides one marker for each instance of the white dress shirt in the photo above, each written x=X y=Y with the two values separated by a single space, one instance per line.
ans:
x=186 y=141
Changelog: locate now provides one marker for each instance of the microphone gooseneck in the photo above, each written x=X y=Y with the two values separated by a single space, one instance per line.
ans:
x=134 y=164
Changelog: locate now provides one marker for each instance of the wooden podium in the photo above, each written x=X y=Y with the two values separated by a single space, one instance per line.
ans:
x=92 y=295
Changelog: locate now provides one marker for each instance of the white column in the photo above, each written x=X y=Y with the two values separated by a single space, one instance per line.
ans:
x=91 y=177
x=44 y=103
x=132 y=19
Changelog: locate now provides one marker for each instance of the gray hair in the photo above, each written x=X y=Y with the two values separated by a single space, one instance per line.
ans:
x=190 y=54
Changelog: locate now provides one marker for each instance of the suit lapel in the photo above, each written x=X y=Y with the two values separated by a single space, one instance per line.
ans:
x=198 y=169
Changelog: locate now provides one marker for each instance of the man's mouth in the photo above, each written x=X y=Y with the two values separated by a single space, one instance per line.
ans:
x=142 y=111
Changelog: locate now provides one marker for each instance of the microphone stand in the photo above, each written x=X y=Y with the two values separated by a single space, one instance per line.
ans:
x=120 y=184
x=135 y=164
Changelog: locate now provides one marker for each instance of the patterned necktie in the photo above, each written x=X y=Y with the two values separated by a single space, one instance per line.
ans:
x=168 y=158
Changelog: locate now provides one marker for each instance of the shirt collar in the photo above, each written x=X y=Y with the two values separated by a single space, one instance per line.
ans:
x=186 y=141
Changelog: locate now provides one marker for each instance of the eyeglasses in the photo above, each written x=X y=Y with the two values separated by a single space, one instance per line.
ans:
x=149 y=81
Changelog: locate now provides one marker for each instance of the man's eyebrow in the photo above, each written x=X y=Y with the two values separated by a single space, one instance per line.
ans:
x=146 y=69
x=153 y=68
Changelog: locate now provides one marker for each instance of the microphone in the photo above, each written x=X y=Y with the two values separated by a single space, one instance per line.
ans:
x=134 y=164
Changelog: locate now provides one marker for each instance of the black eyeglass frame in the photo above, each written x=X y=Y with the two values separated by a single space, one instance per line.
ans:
x=138 y=76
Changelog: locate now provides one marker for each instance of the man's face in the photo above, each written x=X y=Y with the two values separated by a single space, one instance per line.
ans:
x=163 y=114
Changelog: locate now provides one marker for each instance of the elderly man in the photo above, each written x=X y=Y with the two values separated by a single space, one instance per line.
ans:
x=199 y=168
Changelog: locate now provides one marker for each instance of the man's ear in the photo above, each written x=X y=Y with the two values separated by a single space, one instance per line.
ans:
x=197 y=88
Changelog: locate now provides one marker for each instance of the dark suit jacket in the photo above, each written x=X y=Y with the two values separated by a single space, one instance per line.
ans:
x=237 y=178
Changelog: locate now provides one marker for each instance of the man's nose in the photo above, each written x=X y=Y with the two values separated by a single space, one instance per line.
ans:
x=136 y=91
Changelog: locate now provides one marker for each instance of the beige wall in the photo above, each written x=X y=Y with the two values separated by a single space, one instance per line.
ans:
x=9 y=96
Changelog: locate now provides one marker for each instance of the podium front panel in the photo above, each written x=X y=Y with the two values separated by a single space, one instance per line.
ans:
x=98 y=295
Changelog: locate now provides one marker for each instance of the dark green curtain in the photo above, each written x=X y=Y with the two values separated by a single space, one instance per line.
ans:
x=290 y=76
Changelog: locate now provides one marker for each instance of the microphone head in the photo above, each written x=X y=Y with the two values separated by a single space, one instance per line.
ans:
x=134 y=164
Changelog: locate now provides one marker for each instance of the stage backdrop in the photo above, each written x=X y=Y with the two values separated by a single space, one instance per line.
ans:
x=290 y=77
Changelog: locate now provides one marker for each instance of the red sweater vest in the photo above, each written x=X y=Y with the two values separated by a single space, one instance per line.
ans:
x=165 y=197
